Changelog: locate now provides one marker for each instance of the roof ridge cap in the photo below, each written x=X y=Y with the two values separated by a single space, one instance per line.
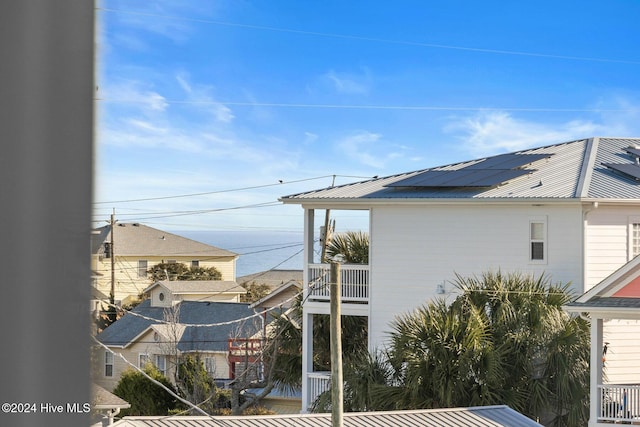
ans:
x=586 y=170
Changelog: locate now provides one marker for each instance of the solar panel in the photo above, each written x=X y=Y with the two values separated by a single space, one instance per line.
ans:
x=461 y=178
x=486 y=173
x=508 y=161
x=629 y=169
x=632 y=150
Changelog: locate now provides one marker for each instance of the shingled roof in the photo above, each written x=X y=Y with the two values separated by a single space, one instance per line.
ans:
x=571 y=170
x=133 y=239
x=193 y=338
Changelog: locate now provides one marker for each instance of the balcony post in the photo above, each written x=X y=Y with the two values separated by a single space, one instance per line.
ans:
x=307 y=358
x=597 y=366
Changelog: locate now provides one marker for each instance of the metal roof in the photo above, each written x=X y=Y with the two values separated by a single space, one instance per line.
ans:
x=131 y=239
x=482 y=416
x=574 y=170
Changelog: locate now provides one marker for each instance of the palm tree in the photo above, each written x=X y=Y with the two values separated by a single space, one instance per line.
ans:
x=504 y=340
x=351 y=246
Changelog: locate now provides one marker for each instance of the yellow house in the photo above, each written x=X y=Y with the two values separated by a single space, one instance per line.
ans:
x=126 y=254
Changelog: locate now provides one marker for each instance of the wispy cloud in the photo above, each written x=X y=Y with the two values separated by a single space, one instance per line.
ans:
x=370 y=149
x=349 y=83
x=200 y=96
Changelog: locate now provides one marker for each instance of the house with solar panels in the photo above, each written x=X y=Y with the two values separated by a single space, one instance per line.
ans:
x=568 y=210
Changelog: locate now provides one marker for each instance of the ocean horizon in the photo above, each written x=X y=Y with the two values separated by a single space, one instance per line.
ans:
x=258 y=250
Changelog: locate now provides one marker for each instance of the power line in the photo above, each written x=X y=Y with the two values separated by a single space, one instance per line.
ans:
x=386 y=107
x=282 y=182
x=375 y=39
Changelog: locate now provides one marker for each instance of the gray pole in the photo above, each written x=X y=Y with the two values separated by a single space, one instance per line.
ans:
x=336 y=348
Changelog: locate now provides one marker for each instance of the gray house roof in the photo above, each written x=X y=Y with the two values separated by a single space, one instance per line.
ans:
x=572 y=170
x=102 y=399
x=133 y=239
x=194 y=338
x=179 y=287
x=484 y=416
x=602 y=300
x=272 y=278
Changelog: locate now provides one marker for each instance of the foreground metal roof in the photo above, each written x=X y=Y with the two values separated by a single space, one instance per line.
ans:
x=482 y=416
x=573 y=170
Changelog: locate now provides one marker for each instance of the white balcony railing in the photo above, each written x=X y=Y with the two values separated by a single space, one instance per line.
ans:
x=354 y=279
x=619 y=403
x=317 y=383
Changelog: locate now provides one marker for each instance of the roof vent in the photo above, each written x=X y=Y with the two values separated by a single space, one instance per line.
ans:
x=135 y=224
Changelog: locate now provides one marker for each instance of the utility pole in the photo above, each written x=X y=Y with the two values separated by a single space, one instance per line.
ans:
x=113 y=264
x=336 y=348
x=325 y=241
x=112 y=294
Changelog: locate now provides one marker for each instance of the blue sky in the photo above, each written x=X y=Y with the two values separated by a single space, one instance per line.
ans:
x=204 y=106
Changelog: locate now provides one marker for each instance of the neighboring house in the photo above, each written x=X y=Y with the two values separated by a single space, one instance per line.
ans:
x=168 y=292
x=137 y=247
x=272 y=278
x=481 y=416
x=105 y=406
x=613 y=308
x=569 y=210
x=141 y=336
x=281 y=297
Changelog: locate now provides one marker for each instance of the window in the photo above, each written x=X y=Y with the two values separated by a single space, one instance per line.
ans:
x=161 y=363
x=143 y=359
x=210 y=365
x=635 y=239
x=537 y=239
x=171 y=261
x=195 y=263
x=143 y=266
x=107 y=250
x=108 y=364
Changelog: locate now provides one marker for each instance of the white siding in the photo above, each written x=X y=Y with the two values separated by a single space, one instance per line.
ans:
x=622 y=365
x=413 y=249
x=607 y=241
x=129 y=285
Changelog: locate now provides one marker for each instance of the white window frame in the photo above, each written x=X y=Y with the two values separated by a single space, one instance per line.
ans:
x=143 y=359
x=142 y=271
x=538 y=239
x=633 y=237
x=210 y=365
x=108 y=364
x=160 y=361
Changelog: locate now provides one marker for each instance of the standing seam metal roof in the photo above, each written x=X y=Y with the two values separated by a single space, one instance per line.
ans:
x=484 y=416
x=573 y=171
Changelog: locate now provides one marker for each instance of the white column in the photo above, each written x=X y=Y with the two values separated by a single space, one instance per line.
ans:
x=307 y=357
x=596 y=371
x=307 y=319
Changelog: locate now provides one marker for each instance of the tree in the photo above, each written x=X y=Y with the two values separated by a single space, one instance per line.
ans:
x=504 y=340
x=352 y=247
x=145 y=397
x=179 y=271
x=255 y=291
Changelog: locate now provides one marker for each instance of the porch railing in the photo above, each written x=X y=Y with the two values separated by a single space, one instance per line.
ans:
x=354 y=279
x=619 y=402
x=318 y=383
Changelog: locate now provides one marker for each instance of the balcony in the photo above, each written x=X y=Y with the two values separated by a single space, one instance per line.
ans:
x=620 y=404
x=317 y=383
x=354 y=280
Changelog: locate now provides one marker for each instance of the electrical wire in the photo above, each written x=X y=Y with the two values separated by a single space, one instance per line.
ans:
x=372 y=39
